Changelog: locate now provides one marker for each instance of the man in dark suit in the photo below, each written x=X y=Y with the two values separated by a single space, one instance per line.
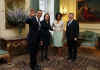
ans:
x=72 y=34
x=38 y=16
x=33 y=38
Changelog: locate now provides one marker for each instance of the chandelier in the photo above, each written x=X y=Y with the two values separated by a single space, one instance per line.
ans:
x=63 y=9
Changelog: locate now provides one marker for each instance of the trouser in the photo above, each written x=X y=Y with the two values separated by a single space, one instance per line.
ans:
x=72 y=52
x=33 y=56
x=72 y=49
x=33 y=47
x=44 y=52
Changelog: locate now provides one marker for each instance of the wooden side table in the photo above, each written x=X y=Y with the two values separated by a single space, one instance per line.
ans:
x=15 y=46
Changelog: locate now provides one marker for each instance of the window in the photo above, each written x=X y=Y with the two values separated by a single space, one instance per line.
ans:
x=47 y=6
x=43 y=5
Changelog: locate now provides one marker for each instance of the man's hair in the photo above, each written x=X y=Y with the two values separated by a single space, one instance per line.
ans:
x=32 y=9
x=39 y=10
x=71 y=13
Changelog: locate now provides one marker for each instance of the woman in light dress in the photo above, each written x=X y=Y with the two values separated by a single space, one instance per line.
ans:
x=58 y=28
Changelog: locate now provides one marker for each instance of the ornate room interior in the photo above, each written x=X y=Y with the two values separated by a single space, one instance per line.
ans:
x=13 y=44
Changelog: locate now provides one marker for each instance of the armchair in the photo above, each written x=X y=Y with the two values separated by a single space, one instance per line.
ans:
x=89 y=38
x=4 y=54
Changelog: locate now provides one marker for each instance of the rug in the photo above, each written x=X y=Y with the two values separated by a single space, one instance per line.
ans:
x=55 y=63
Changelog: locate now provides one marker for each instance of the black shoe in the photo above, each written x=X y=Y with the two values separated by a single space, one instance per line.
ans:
x=32 y=67
x=69 y=58
x=73 y=60
x=47 y=59
x=37 y=67
x=42 y=59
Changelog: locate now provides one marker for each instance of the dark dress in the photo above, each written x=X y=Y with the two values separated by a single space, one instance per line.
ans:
x=45 y=34
x=33 y=40
x=45 y=37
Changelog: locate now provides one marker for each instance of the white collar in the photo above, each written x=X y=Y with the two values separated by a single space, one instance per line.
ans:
x=37 y=18
x=71 y=21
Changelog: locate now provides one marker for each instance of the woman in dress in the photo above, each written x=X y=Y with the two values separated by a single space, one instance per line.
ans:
x=45 y=36
x=58 y=28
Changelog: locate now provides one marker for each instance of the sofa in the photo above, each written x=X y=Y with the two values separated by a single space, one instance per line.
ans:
x=89 y=38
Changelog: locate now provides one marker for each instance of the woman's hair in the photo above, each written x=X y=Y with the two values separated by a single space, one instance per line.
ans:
x=57 y=15
x=45 y=16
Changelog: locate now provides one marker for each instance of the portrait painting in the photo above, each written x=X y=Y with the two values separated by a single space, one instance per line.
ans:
x=88 y=10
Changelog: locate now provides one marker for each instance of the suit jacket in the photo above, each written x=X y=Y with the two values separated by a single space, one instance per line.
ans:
x=33 y=35
x=72 y=30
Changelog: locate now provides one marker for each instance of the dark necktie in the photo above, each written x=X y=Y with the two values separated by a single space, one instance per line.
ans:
x=39 y=24
x=69 y=23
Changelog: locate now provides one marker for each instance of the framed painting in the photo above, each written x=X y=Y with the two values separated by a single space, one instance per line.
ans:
x=88 y=10
x=13 y=12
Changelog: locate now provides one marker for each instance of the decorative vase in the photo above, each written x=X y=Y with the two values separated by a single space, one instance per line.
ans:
x=20 y=29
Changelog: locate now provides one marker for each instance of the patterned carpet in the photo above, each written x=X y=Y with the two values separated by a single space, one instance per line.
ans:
x=55 y=63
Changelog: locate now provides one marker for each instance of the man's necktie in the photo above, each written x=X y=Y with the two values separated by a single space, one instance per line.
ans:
x=69 y=23
x=39 y=24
